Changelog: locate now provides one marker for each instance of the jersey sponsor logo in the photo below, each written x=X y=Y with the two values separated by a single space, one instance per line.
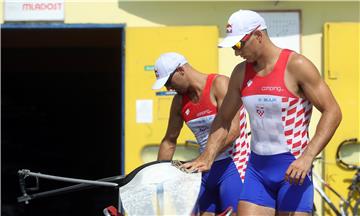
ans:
x=187 y=111
x=272 y=88
x=260 y=110
x=267 y=99
x=202 y=113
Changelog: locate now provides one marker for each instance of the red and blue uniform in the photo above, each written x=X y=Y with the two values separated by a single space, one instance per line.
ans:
x=279 y=123
x=222 y=185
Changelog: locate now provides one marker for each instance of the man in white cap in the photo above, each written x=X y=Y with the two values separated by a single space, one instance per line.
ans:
x=196 y=103
x=278 y=88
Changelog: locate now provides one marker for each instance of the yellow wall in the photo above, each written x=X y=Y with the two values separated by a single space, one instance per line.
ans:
x=341 y=71
x=143 y=47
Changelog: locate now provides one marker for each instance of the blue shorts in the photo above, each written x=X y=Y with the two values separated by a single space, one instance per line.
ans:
x=265 y=184
x=220 y=187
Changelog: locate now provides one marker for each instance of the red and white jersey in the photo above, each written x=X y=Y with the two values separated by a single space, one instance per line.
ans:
x=199 y=117
x=279 y=120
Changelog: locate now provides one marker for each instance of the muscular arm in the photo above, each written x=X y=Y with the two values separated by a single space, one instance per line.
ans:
x=312 y=87
x=219 y=90
x=168 y=143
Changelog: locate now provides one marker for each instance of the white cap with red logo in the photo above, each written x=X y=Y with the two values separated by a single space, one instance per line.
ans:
x=240 y=23
x=165 y=65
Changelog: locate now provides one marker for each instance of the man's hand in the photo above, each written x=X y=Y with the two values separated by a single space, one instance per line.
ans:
x=200 y=164
x=298 y=169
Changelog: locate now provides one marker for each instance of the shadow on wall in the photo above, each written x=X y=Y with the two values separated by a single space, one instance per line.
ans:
x=313 y=14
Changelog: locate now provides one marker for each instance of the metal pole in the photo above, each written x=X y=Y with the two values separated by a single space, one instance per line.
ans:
x=65 y=179
x=84 y=184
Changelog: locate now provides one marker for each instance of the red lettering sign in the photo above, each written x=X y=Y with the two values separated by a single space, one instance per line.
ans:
x=41 y=6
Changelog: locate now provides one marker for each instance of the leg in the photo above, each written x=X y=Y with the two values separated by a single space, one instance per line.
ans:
x=207 y=196
x=207 y=206
x=296 y=199
x=230 y=188
x=258 y=196
x=247 y=209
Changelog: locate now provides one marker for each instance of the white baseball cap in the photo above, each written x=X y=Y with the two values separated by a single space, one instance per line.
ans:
x=240 y=23
x=165 y=65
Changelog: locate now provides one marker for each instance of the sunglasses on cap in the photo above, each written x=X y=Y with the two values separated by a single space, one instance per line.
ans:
x=242 y=42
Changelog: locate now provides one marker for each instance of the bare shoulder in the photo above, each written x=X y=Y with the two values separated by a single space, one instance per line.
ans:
x=220 y=80
x=219 y=87
x=301 y=68
x=297 y=61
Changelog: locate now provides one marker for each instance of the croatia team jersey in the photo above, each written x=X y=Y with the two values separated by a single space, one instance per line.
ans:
x=279 y=120
x=199 y=117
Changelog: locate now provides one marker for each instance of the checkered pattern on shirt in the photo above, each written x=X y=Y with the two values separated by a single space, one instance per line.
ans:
x=296 y=113
x=240 y=150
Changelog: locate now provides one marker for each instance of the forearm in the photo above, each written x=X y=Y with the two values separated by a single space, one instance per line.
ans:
x=325 y=129
x=166 y=150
